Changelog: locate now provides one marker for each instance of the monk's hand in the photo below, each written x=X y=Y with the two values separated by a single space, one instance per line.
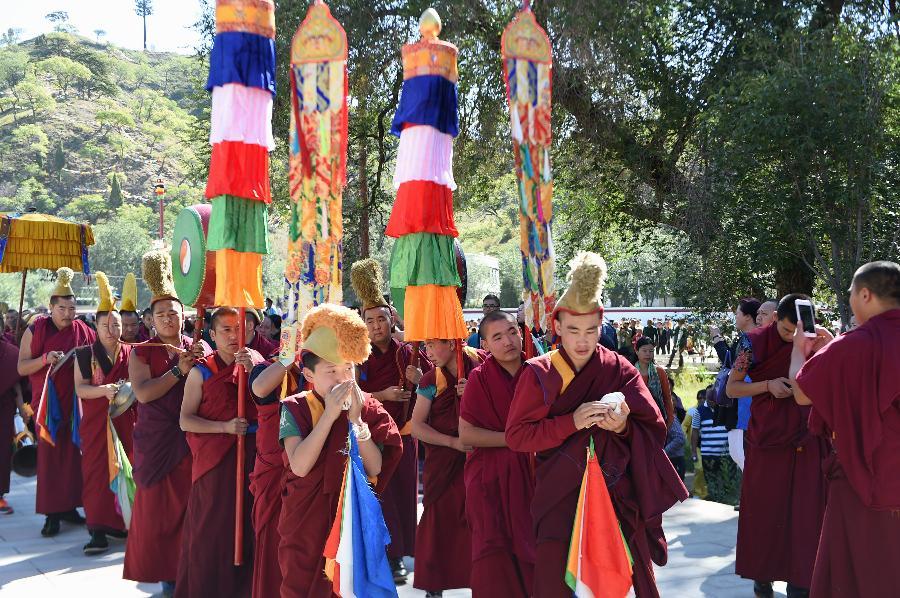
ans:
x=588 y=414
x=615 y=422
x=336 y=398
x=185 y=361
x=780 y=388
x=26 y=413
x=460 y=387
x=394 y=393
x=413 y=374
x=52 y=357
x=110 y=390
x=242 y=358
x=457 y=444
x=356 y=403
x=236 y=426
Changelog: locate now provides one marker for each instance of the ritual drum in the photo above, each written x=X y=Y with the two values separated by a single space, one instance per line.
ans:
x=193 y=267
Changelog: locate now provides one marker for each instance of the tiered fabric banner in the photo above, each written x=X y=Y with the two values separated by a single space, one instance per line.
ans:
x=424 y=274
x=242 y=82
x=527 y=64
x=318 y=162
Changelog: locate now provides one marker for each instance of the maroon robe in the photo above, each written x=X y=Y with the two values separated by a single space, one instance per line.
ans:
x=309 y=503
x=783 y=489
x=400 y=497
x=855 y=394
x=499 y=490
x=207 y=549
x=267 y=485
x=58 y=467
x=263 y=346
x=162 y=473
x=443 y=540
x=9 y=358
x=541 y=420
x=100 y=508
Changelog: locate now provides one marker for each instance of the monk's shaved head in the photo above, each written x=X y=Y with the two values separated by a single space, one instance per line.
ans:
x=881 y=278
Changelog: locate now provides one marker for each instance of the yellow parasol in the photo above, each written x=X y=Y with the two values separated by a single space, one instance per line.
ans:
x=34 y=241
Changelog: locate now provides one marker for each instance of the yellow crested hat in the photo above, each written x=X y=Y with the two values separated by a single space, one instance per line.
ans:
x=587 y=274
x=336 y=334
x=367 y=282
x=107 y=301
x=129 y=293
x=156 y=266
x=63 y=286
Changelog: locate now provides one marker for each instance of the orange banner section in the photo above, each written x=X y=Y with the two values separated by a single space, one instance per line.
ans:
x=239 y=279
x=433 y=312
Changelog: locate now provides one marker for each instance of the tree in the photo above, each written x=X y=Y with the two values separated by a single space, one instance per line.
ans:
x=60 y=21
x=31 y=194
x=119 y=246
x=64 y=72
x=86 y=208
x=13 y=63
x=143 y=9
x=30 y=94
x=115 y=192
x=99 y=33
x=33 y=138
x=59 y=161
x=11 y=37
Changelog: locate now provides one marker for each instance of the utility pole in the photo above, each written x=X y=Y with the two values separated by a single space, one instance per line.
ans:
x=160 y=190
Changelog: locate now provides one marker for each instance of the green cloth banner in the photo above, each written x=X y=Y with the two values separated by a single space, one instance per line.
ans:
x=239 y=224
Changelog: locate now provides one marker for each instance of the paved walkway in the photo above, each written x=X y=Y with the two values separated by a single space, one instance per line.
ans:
x=701 y=556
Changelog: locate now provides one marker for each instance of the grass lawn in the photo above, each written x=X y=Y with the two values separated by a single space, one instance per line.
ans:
x=689 y=381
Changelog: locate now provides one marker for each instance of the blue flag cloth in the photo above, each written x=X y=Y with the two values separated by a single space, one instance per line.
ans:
x=372 y=575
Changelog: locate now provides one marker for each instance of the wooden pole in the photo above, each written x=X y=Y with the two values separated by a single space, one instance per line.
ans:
x=239 y=485
x=529 y=344
x=198 y=325
x=460 y=368
x=21 y=303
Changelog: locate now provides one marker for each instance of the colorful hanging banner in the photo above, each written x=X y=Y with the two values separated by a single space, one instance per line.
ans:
x=527 y=68
x=318 y=162
x=242 y=82
x=424 y=274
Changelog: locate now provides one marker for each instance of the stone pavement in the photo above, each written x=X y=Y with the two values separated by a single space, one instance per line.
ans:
x=701 y=556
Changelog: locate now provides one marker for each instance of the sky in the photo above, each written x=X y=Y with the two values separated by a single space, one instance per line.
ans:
x=168 y=28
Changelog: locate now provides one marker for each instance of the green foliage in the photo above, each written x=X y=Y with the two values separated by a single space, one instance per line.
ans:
x=115 y=192
x=32 y=138
x=59 y=158
x=119 y=246
x=30 y=94
x=13 y=63
x=31 y=194
x=90 y=208
x=64 y=72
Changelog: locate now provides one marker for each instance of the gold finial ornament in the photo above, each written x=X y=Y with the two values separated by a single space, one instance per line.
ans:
x=430 y=24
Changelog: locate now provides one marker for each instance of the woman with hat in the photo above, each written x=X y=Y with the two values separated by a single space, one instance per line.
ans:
x=102 y=367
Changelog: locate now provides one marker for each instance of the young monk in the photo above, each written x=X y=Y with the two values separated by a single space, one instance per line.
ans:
x=101 y=367
x=853 y=385
x=499 y=482
x=556 y=411
x=443 y=540
x=43 y=345
x=209 y=418
x=391 y=378
x=314 y=431
x=783 y=489
x=269 y=385
x=162 y=458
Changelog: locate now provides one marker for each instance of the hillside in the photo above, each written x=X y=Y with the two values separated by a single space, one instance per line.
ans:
x=73 y=113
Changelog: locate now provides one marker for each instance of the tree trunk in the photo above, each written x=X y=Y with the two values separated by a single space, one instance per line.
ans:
x=145 y=32
x=794 y=277
x=364 y=241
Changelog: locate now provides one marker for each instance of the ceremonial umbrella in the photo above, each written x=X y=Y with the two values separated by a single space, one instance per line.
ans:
x=34 y=241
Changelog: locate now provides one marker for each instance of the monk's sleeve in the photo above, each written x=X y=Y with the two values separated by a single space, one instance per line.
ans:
x=528 y=427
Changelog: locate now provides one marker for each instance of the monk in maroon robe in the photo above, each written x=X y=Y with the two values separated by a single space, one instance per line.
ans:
x=314 y=433
x=209 y=416
x=443 y=540
x=269 y=385
x=10 y=400
x=783 y=489
x=45 y=342
x=499 y=482
x=390 y=376
x=101 y=367
x=162 y=458
x=854 y=388
x=256 y=341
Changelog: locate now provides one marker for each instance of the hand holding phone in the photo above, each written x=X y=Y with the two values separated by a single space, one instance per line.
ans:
x=806 y=317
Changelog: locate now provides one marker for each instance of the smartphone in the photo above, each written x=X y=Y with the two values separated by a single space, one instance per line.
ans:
x=806 y=317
